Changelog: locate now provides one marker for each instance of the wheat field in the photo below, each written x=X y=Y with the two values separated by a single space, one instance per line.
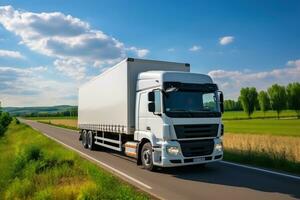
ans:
x=275 y=146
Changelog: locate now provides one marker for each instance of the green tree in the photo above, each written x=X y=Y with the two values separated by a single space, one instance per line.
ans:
x=264 y=101
x=248 y=98
x=278 y=99
x=293 y=97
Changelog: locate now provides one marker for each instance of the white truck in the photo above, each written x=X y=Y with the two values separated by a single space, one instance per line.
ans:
x=155 y=111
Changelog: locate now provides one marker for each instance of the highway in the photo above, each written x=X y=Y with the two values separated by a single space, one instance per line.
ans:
x=216 y=181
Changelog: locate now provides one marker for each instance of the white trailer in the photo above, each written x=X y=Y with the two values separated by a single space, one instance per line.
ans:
x=124 y=109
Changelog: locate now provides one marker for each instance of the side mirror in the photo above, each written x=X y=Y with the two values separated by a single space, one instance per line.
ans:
x=151 y=107
x=221 y=98
x=151 y=96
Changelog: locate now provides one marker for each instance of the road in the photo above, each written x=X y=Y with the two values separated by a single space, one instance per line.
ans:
x=215 y=181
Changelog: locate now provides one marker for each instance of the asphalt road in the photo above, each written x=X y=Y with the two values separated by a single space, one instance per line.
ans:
x=215 y=181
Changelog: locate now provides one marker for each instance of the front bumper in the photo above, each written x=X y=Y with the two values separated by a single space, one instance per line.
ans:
x=163 y=159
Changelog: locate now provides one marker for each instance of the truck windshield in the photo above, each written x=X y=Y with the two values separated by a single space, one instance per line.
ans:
x=191 y=102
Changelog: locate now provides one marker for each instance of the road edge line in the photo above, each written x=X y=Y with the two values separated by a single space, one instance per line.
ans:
x=262 y=170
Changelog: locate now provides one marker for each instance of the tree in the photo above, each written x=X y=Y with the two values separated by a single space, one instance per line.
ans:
x=277 y=96
x=248 y=98
x=264 y=101
x=293 y=97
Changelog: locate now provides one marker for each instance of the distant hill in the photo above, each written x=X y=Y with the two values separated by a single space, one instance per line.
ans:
x=41 y=111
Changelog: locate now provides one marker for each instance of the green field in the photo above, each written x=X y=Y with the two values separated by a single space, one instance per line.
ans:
x=35 y=167
x=283 y=127
x=234 y=115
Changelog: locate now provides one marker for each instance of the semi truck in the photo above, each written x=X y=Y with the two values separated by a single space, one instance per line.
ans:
x=157 y=112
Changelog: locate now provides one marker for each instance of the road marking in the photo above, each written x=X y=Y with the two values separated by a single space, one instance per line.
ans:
x=262 y=170
x=101 y=163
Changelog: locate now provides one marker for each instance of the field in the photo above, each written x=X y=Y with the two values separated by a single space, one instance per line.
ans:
x=282 y=127
x=231 y=115
x=70 y=123
x=30 y=169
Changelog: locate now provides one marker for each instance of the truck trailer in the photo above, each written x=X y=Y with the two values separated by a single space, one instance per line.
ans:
x=157 y=112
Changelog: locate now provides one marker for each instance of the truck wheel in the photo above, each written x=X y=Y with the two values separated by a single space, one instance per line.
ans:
x=91 y=141
x=84 y=139
x=146 y=157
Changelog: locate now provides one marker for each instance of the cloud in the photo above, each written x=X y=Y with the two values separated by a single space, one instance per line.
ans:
x=28 y=87
x=232 y=81
x=66 y=38
x=11 y=54
x=226 y=40
x=71 y=67
x=195 y=48
x=139 y=52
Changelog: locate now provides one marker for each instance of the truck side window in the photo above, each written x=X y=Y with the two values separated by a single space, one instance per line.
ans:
x=157 y=101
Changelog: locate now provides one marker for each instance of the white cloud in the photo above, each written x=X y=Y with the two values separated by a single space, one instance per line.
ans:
x=232 y=81
x=71 y=67
x=195 y=48
x=66 y=38
x=171 y=49
x=11 y=54
x=28 y=87
x=139 y=52
x=226 y=40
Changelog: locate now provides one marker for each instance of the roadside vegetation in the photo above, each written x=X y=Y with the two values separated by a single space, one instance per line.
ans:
x=31 y=169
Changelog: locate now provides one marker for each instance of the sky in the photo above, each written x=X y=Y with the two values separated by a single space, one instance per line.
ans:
x=47 y=50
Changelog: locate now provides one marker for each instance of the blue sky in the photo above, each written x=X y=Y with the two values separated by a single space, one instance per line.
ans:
x=48 y=49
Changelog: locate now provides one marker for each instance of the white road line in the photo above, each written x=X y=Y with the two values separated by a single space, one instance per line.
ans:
x=101 y=163
x=262 y=170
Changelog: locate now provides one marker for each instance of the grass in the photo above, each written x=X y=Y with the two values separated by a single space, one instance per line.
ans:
x=35 y=167
x=281 y=127
x=236 y=115
x=275 y=152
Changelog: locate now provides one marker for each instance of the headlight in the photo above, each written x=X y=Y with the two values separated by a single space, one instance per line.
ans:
x=173 y=150
x=219 y=147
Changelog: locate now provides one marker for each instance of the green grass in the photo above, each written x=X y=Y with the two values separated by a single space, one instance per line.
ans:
x=262 y=159
x=234 y=115
x=35 y=167
x=283 y=127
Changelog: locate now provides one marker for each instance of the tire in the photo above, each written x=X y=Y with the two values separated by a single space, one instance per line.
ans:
x=146 y=157
x=84 y=139
x=90 y=140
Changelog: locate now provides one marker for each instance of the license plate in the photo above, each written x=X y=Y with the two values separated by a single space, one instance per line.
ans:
x=199 y=159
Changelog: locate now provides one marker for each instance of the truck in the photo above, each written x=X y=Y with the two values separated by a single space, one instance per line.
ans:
x=157 y=112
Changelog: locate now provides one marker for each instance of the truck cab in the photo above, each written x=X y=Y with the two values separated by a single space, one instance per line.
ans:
x=177 y=119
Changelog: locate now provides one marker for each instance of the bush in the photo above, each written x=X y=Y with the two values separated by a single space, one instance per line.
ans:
x=5 y=120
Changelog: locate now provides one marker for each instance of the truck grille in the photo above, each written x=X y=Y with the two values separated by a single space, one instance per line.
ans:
x=196 y=131
x=192 y=148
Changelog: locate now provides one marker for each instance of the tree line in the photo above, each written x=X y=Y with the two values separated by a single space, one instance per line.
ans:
x=276 y=97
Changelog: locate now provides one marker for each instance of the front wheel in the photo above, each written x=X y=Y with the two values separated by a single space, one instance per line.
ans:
x=146 y=157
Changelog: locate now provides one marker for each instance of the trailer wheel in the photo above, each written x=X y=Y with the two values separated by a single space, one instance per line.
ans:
x=90 y=140
x=84 y=139
x=146 y=157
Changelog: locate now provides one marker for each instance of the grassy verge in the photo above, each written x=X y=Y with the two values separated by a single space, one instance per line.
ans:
x=260 y=159
x=283 y=127
x=34 y=167
x=239 y=115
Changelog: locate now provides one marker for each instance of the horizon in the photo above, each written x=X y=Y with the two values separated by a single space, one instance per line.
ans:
x=47 y=52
